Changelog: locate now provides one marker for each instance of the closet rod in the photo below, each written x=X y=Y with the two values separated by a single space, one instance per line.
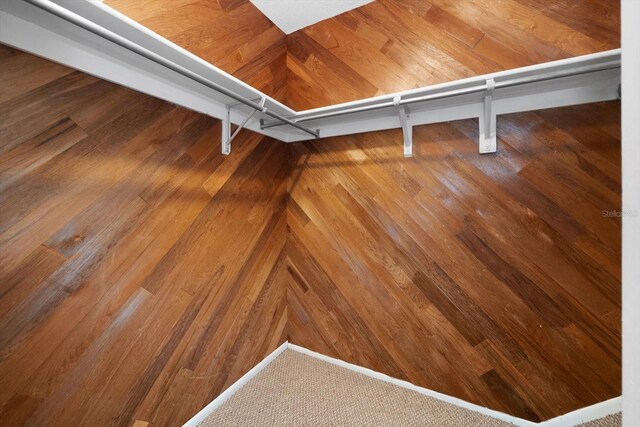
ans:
x=456 y=92
x=84 y=23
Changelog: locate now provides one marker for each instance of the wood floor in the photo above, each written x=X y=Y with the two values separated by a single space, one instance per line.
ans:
x=140 y=270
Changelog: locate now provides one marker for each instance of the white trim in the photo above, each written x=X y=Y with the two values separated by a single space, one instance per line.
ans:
x=563 y=91
x=579 y=416
x=407 y=385
x=529 y=70
x=225 y=395
x=583 y=415
x=131 y=29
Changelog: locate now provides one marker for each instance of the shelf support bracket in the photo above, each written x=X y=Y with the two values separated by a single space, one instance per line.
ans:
x=407 y=129
x=227 y=136
x=487 y=124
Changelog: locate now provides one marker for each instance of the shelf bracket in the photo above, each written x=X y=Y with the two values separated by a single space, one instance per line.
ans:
x=407 y=129
x=487 y=124
x=227 y=136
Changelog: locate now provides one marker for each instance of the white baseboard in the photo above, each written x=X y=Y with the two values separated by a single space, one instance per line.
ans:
x=571 y=419
x=407 y=385
x=584 y=415
x=225 y=395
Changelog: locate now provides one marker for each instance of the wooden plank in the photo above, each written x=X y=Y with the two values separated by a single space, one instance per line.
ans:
x=142 y=272
x=438 y=41
x=35 y=152
x=505 y=284
x=98 y=200
x=22 y=73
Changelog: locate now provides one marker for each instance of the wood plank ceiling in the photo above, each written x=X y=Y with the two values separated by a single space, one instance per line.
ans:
x=141 y=273
x=382 y=47
x=392 y=45
x=231 y=34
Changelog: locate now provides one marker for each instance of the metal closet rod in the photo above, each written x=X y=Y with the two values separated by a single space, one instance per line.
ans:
x=121 y=41
x=455 y=92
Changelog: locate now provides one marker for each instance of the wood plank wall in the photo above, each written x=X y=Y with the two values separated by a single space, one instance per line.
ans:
x=491 y=278
x=140 y=270
x=231 y=34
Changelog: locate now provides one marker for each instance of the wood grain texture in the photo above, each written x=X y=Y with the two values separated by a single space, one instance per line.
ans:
x=393 y=45
x=231 y=34
x=140 y=271
x=492 y=278
x=385 y=46
x=483 y=277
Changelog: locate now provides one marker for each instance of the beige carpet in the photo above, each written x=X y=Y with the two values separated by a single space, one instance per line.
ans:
x=299 y=390
x=614 y=420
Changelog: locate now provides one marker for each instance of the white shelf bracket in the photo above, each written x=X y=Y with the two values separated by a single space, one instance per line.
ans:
x=227 y=136
x=226 y=132
x=407 y=129
x=487 y=124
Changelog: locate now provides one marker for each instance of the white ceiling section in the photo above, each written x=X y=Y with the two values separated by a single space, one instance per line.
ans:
x=292 y=15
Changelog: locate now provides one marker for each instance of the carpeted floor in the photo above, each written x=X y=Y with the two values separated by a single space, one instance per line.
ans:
x=299 y=390
x=614 y=420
